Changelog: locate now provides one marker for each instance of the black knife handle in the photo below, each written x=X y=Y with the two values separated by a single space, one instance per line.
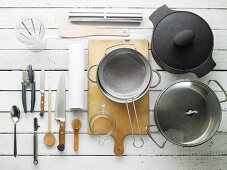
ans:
x=61 y=147
x=15 y=140
x=33 y=97
x=24 y=97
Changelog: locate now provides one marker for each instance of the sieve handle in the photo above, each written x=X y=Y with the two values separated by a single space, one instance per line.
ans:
x=223 y=90
x=159 y=79
x=140 y=145
x=148 y=133
x=88 y=73
x=119 y=45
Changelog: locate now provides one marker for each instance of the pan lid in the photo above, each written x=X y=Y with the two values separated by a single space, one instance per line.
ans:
x=182 y=40
x=187 y=113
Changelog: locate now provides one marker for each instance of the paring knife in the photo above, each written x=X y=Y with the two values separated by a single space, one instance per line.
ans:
x=78 y=31
x=60 y=107
x=42 y=91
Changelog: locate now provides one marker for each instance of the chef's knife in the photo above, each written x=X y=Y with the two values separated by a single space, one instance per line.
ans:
x=42 y=91
x=60 y=111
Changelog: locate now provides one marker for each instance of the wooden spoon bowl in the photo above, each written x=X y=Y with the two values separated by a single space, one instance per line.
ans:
x=76 y=124
x=49 y=139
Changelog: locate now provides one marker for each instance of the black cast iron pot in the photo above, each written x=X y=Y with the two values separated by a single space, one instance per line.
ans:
x=182 y=42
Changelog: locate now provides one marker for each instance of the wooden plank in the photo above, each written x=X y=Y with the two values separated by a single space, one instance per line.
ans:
x=14 y=79
x=55 y=42
x=117 y=3
x=116 y=163
x=25 y=124
x=10 y=16
x=10 y=98
x=89 y=145
x=14 y=98
x=58 y=59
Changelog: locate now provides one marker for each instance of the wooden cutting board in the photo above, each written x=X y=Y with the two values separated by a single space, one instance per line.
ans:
x=96 y=98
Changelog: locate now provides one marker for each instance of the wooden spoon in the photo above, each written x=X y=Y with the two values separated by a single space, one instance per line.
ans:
x=76 y=125
x=49 y=138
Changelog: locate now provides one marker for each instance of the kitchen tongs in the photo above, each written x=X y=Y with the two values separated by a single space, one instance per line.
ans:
x=28 y=80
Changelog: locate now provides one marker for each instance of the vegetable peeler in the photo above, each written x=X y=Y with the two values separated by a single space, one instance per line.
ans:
x=28 y=80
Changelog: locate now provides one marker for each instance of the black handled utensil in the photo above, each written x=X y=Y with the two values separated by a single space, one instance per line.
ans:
x=35 y=141
x=28 y=80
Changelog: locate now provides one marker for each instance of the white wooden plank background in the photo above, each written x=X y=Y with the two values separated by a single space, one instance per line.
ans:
x=14 y=57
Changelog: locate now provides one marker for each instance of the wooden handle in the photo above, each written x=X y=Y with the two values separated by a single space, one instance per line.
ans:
x=76 y=140
x=61 y=145
x=42 y=103
x=49 y=110
x=118 y=143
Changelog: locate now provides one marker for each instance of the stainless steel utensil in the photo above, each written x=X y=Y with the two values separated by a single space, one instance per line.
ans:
x=105 y=16
x=15 y=114
x=35 y=141
x=187 y=113
x=60 y=107
x=42 y=92
x=124 y=76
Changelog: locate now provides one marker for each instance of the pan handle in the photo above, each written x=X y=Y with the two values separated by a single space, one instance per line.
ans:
x=148 y=133
x=88 y=73
x=159 y=79
x=223 y=90
x=119 y=45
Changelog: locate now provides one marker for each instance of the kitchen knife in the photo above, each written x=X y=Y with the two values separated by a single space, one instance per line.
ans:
x=42 y=91
x=60 y=110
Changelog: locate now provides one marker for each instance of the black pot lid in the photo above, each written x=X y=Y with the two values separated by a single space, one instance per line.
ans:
x=182 y=40
x=188 y=113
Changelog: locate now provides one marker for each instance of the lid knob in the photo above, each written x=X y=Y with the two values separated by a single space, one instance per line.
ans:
x=184 y=38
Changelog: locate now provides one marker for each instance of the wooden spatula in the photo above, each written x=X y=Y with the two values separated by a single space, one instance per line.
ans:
x=78 y=31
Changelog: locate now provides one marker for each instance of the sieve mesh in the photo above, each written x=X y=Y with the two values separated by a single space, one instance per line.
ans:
x=124 y=74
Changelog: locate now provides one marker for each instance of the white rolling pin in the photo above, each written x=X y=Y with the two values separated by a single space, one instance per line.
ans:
x=76 y=76
x=105 y=16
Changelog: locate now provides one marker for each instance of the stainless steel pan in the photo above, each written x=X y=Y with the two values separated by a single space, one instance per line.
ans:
x=187 y=113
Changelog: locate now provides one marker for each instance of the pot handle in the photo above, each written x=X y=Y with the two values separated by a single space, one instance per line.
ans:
x=148 y=133
x=223 y=90
x=88 y=73
x=205 y=68
x=119 y=45
x=159 y=14
x=159 y=79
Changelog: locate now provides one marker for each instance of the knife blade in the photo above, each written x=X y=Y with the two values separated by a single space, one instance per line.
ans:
x=60 y=107
x=42 y=91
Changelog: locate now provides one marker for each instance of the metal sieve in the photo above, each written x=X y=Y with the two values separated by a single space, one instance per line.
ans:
x=124 y=75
